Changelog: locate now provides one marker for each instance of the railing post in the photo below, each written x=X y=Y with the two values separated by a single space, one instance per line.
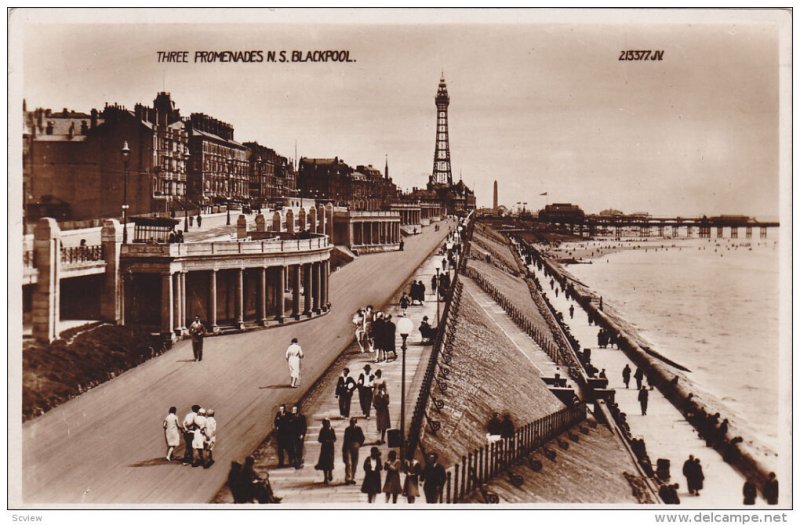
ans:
x=463 y=476
x=455 y=486
x=448 y=485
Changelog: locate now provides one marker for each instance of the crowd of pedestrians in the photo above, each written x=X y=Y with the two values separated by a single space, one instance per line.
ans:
x=199 y=429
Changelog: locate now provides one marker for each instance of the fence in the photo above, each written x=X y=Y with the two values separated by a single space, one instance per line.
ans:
x=560 y=355
x=80 y=254
x=487 y=462
x=445 y=331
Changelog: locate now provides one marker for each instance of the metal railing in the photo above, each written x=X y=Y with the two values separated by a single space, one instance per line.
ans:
x=445 y=331
x=190 y=249
x=493 y=459
x=559 y=355
x=81 y=254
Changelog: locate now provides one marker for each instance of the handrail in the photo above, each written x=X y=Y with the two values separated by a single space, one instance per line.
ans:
x=489 y=461
x=445 y=325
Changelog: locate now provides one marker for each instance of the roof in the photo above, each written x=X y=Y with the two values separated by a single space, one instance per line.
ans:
x=207 y=135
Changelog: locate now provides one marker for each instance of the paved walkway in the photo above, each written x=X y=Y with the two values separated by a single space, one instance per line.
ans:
x=293 y=485
x=665 y=431
x=524 y=343
x=107 y=445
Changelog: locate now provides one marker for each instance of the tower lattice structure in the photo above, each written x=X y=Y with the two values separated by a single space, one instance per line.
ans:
x=442 y=172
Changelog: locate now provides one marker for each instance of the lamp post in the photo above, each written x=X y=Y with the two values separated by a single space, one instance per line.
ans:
x=437 y=265
x=126 y=154
x=404 y=326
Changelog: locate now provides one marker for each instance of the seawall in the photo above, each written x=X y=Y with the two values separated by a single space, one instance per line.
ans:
x=746 y=456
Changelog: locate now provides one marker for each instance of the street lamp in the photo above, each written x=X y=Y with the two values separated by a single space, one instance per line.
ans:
x=437 y=265
x=126 y=154
x=404 y=326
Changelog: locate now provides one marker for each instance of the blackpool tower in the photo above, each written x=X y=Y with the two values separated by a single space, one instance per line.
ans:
x=442 y=172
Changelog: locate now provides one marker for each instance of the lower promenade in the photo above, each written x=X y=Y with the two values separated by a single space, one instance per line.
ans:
x=107 y=446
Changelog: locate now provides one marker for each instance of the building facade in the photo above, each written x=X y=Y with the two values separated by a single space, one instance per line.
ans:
x=74 y=159
x=219 y=170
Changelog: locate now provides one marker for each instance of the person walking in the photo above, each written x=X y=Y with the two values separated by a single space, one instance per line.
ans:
x=639 y=376
x=211 y=437
x=344 y=392
x=571 y=311
x=770 y=490
x=378 y=382
x=689 y=472
x=293 y=356
x=433 y=477
x=199 y=221
x=369 y=317
x=749 y=492
x=327 y=437
x=382 y=418
x=372 y=474
x=434 y=282
x=358 y=321
x=391 y=486
x=172 y=433
x=389 y=338
x=197 y=331
x=411 y=483
x=379 y=329
x=404 y=302
x=299 y=427
x=626 y=375
x=351 y=445
x=421 y=291
x=199 y=438
x=188 y=435
x=365 y=380
x=644 y=394
x=283 y=433
x=699 y=477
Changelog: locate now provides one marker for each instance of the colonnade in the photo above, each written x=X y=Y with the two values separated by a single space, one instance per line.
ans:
x=307 y=282
x=368 y=232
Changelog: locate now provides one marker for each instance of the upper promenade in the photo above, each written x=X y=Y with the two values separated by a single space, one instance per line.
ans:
x=107 y=445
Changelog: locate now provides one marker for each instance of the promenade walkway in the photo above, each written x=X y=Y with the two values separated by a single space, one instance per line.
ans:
x=665 y=431
x=524 y=343
x=107 y=445
x=304 y=486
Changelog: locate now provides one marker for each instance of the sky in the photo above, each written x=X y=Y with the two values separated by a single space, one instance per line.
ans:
x=540 y=104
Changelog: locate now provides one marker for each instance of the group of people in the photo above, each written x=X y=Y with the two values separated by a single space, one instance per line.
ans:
x=199 y=430
x=417 y=293
x=693 y=471
x=372 y=392
x=290 y=432
x=606 y=338
x=375 y=333
x=433 y=474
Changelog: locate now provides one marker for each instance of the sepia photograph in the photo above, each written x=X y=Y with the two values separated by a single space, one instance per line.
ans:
x=400 y=259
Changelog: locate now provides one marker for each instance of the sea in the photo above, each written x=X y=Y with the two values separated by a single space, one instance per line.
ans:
x=711 y=305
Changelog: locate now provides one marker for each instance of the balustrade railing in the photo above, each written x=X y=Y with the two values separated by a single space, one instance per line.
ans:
x=81 y=254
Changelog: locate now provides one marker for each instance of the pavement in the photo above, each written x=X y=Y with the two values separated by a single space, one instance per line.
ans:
x=666 y=432
x=107 y=445
x=305 y=485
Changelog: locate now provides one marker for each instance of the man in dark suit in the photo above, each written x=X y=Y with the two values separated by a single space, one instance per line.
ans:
x=434 y=477
x=344 y=392
x=352 y=443
x=283 y=433
x=298 y=435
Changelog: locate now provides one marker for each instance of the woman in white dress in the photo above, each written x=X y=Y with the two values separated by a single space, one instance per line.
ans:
x=293 y=356
x=171 y=432
x=199 y=439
